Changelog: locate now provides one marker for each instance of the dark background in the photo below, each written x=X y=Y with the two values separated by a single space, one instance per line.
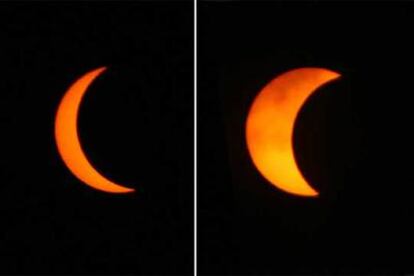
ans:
x=352 y=140
x=135 y=125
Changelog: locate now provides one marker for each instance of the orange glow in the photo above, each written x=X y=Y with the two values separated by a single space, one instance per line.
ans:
x=270 y=123
x=67 y=138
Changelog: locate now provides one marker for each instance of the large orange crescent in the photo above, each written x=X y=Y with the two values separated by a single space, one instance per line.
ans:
x=270 y=124
x=67 y=138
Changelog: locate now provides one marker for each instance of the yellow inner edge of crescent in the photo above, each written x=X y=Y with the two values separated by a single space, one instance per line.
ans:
x=67 y=138
x=270 y=124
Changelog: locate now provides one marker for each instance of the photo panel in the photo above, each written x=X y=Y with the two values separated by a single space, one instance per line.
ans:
x=304 y=141
x=97 y=138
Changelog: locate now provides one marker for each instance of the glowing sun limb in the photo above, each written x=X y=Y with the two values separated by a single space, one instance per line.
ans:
x=270 y=124
x=67 y=138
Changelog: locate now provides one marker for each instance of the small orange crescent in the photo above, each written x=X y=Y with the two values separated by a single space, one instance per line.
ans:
x=270 y=124
x=67 y=138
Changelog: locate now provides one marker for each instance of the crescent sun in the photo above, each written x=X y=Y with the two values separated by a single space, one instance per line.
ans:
x=270 y=124
x=67 y=138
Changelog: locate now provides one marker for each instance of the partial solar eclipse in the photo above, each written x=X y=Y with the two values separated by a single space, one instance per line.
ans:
x=67 y=138
x=270 y=124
